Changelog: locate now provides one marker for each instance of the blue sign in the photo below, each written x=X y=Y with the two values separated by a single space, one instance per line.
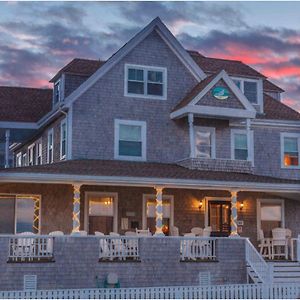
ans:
x=220 y=93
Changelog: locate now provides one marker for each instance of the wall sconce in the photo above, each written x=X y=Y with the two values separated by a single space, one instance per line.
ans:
x=200 y=204
x=241 y=206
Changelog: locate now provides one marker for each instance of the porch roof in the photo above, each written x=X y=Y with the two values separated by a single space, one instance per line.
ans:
x=140 y=173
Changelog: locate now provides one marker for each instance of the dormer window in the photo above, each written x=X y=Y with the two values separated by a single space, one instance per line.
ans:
x=249 y=88
x=56 y=92
x=145 y=82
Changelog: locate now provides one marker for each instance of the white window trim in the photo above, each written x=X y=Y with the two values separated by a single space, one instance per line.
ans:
x=30 y=156
x=50 y=160
x=63 y=122
x=212 y=130
x=145 y=70
x=270 y=201
x=292 y=135
x=153 y=196
x=25 y=159
x=39 y=142
x=18 y=155
x=250 y=147
x=102 y=194
x=143 y=125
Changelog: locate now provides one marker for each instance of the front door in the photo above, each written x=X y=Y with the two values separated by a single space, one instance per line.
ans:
x=219 y=213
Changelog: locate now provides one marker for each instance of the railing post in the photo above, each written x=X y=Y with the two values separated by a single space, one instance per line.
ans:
x=76 y=208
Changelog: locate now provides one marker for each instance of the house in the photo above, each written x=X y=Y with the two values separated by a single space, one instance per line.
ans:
x=157 y=136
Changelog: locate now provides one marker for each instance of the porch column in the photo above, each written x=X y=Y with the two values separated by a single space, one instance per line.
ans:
x=248 y=126
x=159 y=212
x=7 y=136
x=234 y=213
x=191 y=132
x=76 y=208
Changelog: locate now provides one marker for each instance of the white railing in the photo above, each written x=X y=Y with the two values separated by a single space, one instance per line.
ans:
x=235 y=291
x=30 y=248
x=120 y=248
x=201 y=248
x=257 y=263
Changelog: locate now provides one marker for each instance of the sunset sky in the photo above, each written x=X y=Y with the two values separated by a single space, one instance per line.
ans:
x=38 y=38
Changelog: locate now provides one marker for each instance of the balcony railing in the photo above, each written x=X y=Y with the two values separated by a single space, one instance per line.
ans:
x=30 y=249
x=193 y=249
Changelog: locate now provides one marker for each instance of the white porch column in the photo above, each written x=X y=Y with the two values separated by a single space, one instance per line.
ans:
x=234 y=213
x=248 y=127
x=76 y=208
x=191 y=132
x=159 y=212
x=7 y=135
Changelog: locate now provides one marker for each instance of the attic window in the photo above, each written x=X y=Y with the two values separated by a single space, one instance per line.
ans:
x=56 y=92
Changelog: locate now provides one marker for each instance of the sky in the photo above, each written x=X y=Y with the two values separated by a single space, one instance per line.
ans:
x=38 y=38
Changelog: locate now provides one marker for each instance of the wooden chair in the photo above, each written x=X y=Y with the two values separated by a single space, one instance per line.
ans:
x=174 y=231
x=198 y=231
x=264 y=245
x=207 y=231
x=279 y=243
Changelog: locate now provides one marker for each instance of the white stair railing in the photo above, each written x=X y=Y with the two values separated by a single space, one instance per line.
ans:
x=257 y=263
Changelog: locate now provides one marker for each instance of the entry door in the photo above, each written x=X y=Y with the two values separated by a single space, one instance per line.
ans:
x=219 y=213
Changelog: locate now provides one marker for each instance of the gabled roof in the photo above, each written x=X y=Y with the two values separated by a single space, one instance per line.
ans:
x=21 y=104
x=269 y=86
x=188 y=104
x=276 y=110
x=81 y=67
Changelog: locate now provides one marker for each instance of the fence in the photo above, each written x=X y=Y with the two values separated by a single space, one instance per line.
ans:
x=197 y=248
x=246 y=291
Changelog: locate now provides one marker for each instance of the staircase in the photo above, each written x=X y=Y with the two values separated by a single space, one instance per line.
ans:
x=287 y=272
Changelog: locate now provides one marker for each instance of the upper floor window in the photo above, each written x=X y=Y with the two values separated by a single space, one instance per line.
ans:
x=205 y=142
x=19 y=159
x=145 y=82
x=50 y=146
x=290 y=148
x=56 y=92
x=31 y=155
x=24 y=160
x=130 y=140
x=249 y=88
x=240 y=150
x=39 y=150
x=63 y=139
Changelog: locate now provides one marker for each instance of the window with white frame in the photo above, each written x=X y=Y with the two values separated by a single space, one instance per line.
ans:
x=130 y=140
x=145 y=82
x=31 y=155
x=50 y=146
x=63 y=139
x=249 y=88
x=19 y=159
x=24 y=160
x=240 y=150
x=39 y=150
x=290 y=150
x=205 y=142
x=56 y=92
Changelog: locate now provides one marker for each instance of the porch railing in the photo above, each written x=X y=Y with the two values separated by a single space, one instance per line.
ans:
x=30 y=248
x=119 y=248
x=256 y=262
x=192 y=249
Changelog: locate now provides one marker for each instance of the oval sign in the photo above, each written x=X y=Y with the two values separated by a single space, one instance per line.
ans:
x=220 y=93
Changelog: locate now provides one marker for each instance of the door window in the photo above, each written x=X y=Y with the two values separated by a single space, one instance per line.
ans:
x=219 y=213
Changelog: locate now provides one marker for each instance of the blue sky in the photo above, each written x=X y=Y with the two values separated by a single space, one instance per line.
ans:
x=38 y=38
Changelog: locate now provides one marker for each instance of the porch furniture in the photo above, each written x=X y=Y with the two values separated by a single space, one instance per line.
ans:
x=56 y=233
x=174 y=231
x=279 y=243
x=198 y=231
x=207 y=231
x=264 y=245
x=143 y=232
x=130 y=233
x=190 y=234
x=98 y=233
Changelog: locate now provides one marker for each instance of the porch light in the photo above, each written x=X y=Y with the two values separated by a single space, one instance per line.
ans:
x=200 y=204
x=241 y=206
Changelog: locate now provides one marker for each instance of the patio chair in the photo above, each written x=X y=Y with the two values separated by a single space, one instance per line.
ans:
x=174 y=231
x=264 y=245
x=198 y=231
x=207 y=231
x=143 y=232
x=130 y=233
x=98 y=233
x=279 y=243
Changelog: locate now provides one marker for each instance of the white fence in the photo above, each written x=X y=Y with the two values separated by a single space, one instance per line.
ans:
x=120 y=248
x=197 y=248
x=30 y=248
x=246 y=291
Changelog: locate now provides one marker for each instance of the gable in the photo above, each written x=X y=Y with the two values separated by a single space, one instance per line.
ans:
x=210 y=100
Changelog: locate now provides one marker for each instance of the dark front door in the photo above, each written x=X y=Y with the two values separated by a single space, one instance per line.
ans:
x=219 y=213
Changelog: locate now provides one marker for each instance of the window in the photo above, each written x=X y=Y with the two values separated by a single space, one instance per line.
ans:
x=249 y=89
x=50 y=146
x=130 y=140
x=31 y=155
x=39 y=152
x=19 y=159
x=56 y=92
x=19 y=214
x=24 y=160
x=145 y=82
x=239 y=145
x=290 y=145
x=205 y=142
x=63 y=139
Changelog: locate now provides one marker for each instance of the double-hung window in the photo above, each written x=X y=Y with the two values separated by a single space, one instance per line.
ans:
x=39 y=150
x=63 y=139
x=19 y=159
x=24 y=160
x=145 y=82
x=205 y=144
x=31 y=155
x=240 y=150
x=50 y=146
x=130 y=140
x=290 y=150
x=56 y=92
x=249 y=88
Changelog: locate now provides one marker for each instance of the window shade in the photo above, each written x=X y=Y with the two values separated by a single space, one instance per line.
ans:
x=271 y=213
